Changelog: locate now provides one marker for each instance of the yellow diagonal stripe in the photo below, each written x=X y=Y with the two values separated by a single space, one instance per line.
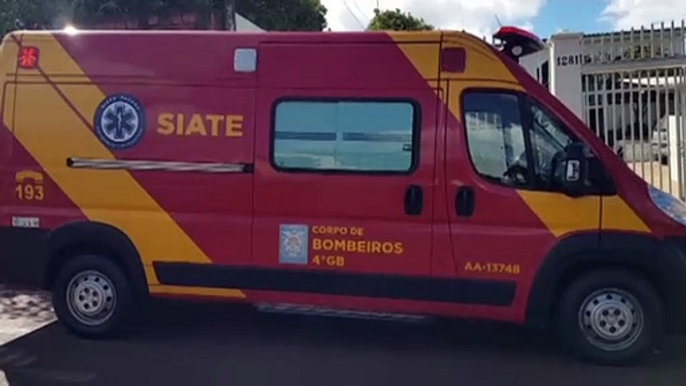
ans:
x=49 y=128
x=483 y=70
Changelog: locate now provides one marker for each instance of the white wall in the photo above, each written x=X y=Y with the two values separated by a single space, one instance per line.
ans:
x=533 y=62
x=565 y=70
x=244 y=25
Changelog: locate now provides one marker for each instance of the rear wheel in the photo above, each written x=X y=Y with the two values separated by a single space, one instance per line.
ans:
x=92 y=297
x=610 y=317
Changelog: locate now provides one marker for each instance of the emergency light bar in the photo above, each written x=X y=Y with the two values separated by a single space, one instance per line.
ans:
x=517 y=42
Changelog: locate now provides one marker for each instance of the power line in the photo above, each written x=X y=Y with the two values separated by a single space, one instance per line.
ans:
x=353 y=13
x=357 y=6
x=347 y=6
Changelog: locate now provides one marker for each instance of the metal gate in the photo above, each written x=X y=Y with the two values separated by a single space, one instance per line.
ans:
x=634 y=98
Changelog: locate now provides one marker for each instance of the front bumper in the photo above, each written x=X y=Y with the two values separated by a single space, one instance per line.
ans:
x=673 y=286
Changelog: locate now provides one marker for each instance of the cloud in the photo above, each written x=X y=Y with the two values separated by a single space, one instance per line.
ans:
x=477 y=17
x=625 y=14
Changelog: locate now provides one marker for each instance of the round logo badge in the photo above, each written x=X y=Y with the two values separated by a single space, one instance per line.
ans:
x=119 y=121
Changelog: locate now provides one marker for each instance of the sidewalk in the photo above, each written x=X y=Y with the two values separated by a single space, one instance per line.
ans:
x=22 y=312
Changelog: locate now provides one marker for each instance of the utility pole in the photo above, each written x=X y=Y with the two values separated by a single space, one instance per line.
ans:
x=231 y=9
x=228 y=12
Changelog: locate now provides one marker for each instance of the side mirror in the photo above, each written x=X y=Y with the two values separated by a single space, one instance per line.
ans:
x=575 y=170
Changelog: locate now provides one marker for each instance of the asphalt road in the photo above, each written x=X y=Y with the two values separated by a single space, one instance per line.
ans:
x=219 y=344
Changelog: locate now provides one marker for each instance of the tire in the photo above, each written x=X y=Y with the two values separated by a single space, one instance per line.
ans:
x=631 y=301
x=100 y=279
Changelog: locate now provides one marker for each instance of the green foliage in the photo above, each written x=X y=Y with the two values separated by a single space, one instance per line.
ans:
x=43 y=12
x=284 y=15
x=395 y=20
x=89 y=11
x=279 y=15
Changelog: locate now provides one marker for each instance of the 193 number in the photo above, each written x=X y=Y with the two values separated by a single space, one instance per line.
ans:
x=30 y=192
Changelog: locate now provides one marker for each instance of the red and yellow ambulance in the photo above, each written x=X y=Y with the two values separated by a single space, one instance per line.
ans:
x=419 y=173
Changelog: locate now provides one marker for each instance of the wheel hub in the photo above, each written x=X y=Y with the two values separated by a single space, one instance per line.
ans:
x=612 y=319
x=91 y=297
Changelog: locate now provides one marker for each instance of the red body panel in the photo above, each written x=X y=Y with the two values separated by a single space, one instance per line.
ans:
x=502 y=230
x=215 y=211
x=55 y=208
x=199 y=110
x=374 y=205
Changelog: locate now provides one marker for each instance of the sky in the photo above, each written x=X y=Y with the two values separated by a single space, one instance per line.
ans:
x=543 y=17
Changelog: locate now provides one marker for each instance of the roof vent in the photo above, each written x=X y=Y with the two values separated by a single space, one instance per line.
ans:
x=245 y=60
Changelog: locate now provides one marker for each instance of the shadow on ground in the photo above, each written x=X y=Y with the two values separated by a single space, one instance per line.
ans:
x=202 y=344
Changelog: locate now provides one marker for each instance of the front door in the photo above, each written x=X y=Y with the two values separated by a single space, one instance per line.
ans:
x=506 y=213
x=348 y=191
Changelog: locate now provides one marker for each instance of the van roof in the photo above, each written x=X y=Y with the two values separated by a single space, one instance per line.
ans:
x=268 y=37
x=210 y=57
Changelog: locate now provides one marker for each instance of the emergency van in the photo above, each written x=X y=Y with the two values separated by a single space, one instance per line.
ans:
x=422 y=173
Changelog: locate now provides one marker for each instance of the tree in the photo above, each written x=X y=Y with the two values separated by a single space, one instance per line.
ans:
x=87 y=12
x=395 y=20
x=57 y=13
x=284 y=15
x=9 y=12
x=30 y=13
x=280 y=15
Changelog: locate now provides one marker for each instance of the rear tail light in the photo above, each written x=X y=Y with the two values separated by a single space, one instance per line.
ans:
x=28 y=57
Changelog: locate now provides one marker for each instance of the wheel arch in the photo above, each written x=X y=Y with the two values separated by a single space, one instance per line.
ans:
x=95 y=237
x=663 y=266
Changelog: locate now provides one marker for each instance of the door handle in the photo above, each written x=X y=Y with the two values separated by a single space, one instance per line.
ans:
x=414 y=200
x=464 y=201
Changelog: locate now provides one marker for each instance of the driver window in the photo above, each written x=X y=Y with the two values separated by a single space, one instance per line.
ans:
x=548 y=138
x=495 y=137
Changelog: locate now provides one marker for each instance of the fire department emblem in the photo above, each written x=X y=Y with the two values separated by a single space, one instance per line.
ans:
x=293 y=244
x=119 y=121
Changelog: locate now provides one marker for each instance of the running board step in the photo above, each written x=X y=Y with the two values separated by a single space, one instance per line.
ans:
x=285 y=308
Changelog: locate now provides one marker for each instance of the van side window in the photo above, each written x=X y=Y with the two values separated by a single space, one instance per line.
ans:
x=495 y=137
x=548 y=138
x=357 y=136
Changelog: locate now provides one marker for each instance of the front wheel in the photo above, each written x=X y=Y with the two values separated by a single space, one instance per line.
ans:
x=92 y=297
x=610 y=317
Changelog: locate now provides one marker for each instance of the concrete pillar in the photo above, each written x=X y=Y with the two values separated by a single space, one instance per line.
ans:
x=566 y=58
x=534 y=63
